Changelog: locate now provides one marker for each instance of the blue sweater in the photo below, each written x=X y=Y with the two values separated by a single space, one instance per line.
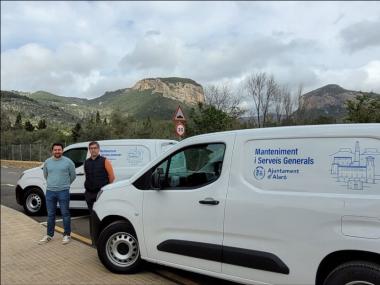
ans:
x=59 y=173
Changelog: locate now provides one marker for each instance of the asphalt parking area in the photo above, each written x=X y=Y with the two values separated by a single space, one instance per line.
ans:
x=81 y=232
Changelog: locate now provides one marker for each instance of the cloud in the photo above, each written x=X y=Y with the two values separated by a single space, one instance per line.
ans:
x=152 y=53
x=152 y=33
x=85 y=48
x=364 y=78
x=361 y=35
x=69 y=70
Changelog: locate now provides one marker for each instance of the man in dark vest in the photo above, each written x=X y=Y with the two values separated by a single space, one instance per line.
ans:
x=98 y=171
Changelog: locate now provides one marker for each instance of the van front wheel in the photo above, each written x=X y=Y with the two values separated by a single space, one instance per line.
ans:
x=118 y=248
x=34 y=202
x=355 y=273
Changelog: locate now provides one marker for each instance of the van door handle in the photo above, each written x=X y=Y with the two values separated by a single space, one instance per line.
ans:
x=79 y=174
x=209 y=201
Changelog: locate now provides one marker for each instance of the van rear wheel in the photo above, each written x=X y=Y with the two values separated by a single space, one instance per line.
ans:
x=34 y=202
x=355 y=273
x=118 y=248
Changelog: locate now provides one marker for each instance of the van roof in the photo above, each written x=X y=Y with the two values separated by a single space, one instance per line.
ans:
x=370 y=129
x=124 y=141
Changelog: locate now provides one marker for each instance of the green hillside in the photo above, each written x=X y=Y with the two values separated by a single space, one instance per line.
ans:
x=33 y=110
x=50 y=97
x=140 y=104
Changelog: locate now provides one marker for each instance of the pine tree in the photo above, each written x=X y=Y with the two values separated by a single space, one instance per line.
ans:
x=18 y=123
x=28 y=126
x=76 y=132
x=97 y=118
x=41 y=124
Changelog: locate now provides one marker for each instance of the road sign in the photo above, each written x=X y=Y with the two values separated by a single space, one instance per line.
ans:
x=180 y=129
x=178 y=115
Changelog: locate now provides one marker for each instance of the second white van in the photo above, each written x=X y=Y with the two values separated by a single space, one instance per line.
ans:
x=127 y=157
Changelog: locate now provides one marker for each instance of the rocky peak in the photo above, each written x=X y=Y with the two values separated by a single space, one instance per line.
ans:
x=180 y=89
x=327 y=96
x=330 y=89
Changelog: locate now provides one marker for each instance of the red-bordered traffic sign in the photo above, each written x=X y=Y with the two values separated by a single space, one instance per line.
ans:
x=180 y=129
x=179 y=116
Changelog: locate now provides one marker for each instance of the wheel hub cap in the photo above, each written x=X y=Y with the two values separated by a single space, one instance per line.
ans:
x=122 y=249
x=33 y=202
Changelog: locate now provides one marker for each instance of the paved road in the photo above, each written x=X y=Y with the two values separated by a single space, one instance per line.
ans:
x=9 y=177
x=80 y=225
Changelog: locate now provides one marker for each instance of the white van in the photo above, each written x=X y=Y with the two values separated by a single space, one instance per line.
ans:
x=289 y=205
x=127 y=157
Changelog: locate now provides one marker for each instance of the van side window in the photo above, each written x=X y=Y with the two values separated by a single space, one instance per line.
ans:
x=194 y=166
x=77 y=155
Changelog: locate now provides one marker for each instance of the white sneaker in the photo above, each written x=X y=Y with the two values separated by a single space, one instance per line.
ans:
x=66 y=239
x=45 y=239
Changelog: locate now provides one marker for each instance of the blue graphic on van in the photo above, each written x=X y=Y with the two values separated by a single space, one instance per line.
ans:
x=135 y=156
x=259 y=172
x=356 y=170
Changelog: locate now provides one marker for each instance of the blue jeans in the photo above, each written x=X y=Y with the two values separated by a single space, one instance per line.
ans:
x=63 y=197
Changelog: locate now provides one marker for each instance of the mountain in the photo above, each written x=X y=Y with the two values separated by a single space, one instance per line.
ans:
x=12 y=103
x=329 y=101
x=157 y=98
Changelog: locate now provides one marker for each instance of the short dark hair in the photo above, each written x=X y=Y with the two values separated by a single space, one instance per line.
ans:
x=92 y=143
x=57 y=144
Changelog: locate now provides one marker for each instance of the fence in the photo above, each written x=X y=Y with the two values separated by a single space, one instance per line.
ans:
x=26 y=152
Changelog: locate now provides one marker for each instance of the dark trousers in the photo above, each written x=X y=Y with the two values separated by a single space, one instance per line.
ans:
x=90 y=199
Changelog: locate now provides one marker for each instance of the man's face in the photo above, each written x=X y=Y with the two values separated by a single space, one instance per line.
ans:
x=57 y=151
x=94 y=150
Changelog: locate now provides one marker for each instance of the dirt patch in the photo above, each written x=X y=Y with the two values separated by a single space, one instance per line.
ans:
x=20 y=164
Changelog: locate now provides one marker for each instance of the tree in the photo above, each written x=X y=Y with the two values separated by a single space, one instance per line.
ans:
x=363 y=109
x=207 y=118
x=76 y=132
x=301 y=110
x=18 y=122
x=28 y=126
x=289 y=104
x=5 y=121
x=41 y=124
x=270 y=92
x=119 y=124
x=255 y=85
x=223 y=99
x=145 y=131
x=263 y=90
x=97 y=118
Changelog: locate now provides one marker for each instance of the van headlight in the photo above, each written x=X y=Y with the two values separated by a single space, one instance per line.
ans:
x=21 y=175
x=98 y=196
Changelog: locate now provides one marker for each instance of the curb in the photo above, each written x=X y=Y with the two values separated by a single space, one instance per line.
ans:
x=75 y=236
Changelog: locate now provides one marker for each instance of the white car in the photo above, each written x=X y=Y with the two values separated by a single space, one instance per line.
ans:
x=290 y=205
x=127 y=157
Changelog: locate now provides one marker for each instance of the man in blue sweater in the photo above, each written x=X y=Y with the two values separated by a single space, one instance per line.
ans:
x=59 y=172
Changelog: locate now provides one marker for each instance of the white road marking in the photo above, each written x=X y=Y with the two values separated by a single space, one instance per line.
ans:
x=60 y=220
x=10 y=185
x=4 y=166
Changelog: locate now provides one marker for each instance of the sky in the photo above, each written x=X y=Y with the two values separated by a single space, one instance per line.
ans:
x=83 y=49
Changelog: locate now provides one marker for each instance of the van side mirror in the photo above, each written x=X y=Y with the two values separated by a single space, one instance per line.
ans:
x=156 y=182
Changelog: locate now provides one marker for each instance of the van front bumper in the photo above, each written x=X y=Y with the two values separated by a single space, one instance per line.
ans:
x=94 y=227
x=19 y=196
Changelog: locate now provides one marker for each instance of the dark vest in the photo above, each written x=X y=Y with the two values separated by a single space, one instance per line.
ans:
x=96 y=174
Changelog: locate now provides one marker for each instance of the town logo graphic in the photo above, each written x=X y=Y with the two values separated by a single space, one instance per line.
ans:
x=354 y=169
